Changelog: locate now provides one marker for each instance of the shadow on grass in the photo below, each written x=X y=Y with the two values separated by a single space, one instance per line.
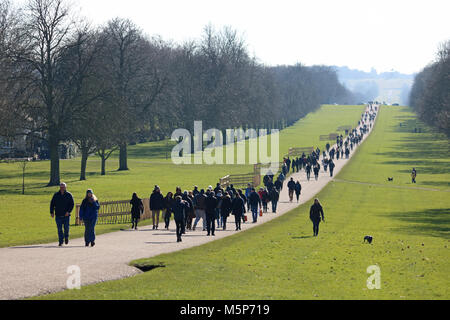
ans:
x=430 y=222
x=428 y=153
x=302 y=237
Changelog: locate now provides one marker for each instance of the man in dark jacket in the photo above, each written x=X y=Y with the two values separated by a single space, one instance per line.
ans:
x=179 y=208
x=211 y=205
x=331 y=165
x=291 y=187
x=315 y=214
x=200 y=206
x=156 y=205
x=238 y=210
x=255 y=200
x=60 y=208
x=274 y=197
x=278 y=185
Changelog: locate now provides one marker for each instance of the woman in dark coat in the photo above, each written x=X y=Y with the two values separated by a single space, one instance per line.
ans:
x=137 y=208
x=169 y=201
x=225 y=209
x=89 y=215
x=238 y=210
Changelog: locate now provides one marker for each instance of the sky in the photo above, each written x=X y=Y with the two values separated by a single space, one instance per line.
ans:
x=401 y=35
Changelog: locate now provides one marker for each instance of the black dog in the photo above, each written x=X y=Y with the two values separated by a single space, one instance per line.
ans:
x=390 y=179
x=369 y=239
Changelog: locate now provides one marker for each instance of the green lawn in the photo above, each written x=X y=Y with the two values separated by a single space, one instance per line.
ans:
x=26 y=220
x=280 y=260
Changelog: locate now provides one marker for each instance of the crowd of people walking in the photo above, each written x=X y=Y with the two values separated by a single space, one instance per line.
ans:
x=214 y=205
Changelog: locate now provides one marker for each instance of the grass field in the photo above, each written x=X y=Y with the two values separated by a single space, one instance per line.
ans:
x=26 y=220
x=280 y=260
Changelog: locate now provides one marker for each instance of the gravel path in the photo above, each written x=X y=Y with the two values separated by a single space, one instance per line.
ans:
x=27 y=271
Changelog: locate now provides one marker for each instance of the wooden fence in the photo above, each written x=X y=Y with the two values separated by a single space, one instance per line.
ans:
x=296 y=152
x=115 y=212
x=331 y=136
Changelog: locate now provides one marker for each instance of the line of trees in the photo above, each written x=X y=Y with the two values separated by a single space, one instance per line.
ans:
x=106 y=87
x=430 y=94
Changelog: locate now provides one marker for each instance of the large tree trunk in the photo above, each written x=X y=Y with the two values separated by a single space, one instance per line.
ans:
x=123 y=157
x=103 y=166
x=84 y=158
x=54 y=162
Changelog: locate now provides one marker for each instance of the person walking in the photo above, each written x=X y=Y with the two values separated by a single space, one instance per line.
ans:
x=291 y=187
x=89 y=215
x=316 y=214
x=308 y=171
x=61 y=207
x=137 y=208
x=413 y=175
x=169 y=202
x=274 y=198
x=179 y=209
x=298 y=190
x=200 y=209
x=225 y=209
x=218 y=209
x=248 y=191
x=211 y=205
x=156 y=205
x=255 y=201
x=316 y=172
x=331 y=165
x=238 y=210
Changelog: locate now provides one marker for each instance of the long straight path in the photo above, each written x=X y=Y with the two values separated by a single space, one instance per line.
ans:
x=33 y=270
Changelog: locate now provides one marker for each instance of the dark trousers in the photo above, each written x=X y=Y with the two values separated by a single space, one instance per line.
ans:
x=63 y=222
x=237 y=220
x=224 y=222
x=254 y=212
x=331 y=172
x=167 y=219
x=89 y=230
x=134 y=222
x=274 y=206
x=316 y=227
x=180 y=228
x=297 y=194
x=210 y=223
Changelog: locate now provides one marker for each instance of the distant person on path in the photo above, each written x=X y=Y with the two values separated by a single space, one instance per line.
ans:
x=225 y=209
x=89 y=215
x=332 y=166
x=169 y=201
x=308 y=171
x=211 y=205
x=316 y=172
x=291 y=187
x=238 y=210
x=315 y=214
x=298 y=190
x=179 y=209
x=414 y=175
x=248 y=191
x=60 y=208
x=137 y=208
x=156 y=205
x=255 y=201
x=200 y=209
x=274 y=198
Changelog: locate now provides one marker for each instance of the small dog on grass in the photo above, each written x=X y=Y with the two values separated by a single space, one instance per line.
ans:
x=369 y=239
x=390 y=179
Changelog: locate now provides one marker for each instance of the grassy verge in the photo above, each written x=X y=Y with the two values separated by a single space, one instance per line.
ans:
x=280 y=260
x=26 y=220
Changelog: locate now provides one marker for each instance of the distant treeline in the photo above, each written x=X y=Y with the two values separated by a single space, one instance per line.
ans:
x=430 y=94
x=106 y=87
